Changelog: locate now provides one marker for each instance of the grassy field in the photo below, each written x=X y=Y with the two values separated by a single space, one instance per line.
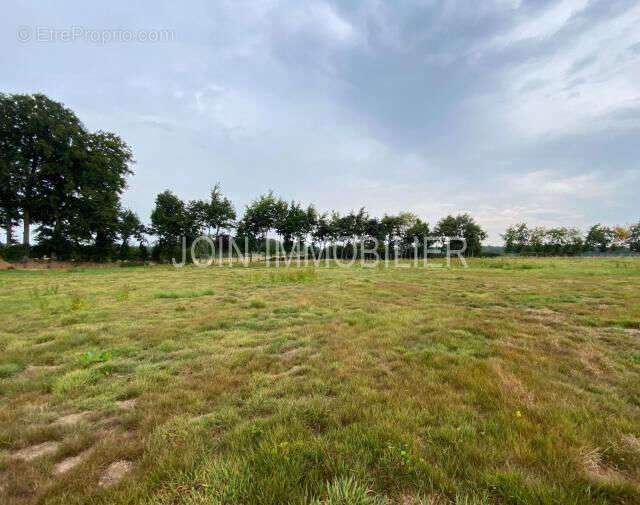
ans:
x=512 y=381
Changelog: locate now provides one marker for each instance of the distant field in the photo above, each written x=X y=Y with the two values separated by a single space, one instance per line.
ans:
x=510 y=382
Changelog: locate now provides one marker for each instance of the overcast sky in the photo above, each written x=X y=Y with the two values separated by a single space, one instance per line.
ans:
x=510 y=110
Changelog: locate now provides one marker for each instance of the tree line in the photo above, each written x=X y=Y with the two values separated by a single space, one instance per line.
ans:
x=524 y=239
x=67 y=182
x=290 y=223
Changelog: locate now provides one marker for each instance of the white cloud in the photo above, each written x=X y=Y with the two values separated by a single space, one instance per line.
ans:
x=317 y=17
x=546 y=24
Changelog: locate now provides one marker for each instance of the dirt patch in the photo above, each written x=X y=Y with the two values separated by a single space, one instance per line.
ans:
x=36 y=451
x=71 y=419
x=33 y=369
x=114 y=473
x=69 y=463
x=37 y=407
x=6 y=266
x=126 y=404
x=546 y=315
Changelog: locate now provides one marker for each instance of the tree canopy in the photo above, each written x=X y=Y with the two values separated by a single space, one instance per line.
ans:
x=56 y=174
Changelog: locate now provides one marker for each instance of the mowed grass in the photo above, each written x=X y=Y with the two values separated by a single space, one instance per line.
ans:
x=510 y=382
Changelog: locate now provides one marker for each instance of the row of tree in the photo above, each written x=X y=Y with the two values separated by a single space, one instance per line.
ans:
x=291 y=223
x=67 y=182
x=523 y=239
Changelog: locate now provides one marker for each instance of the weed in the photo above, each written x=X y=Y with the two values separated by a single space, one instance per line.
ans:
x=9 y=369
x=74 y=381
x=90 y=357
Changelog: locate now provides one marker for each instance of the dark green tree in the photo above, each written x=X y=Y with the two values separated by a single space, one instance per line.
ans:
x=220 y=214
x=261 y=216
x=291 y=223
x=41 y=147
x=633 y=241
x=170 y=221
x=59 y=176
x=462 y=225
x=599 y=238
x=417 y=233
x=129 y=226
x=516 y=238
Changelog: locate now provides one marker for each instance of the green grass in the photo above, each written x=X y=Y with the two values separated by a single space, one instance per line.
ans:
x=510 y=382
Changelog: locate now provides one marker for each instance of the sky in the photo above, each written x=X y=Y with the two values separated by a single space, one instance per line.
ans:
x=509 y=110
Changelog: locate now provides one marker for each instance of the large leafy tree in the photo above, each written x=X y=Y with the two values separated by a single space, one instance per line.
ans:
x=171 y=220
x=462 y=225
x=620 y=236
x=90 y=213
x=291 y=223
x=416 y=235
x=40 y=148
x=516 y=238
x=55 y=174
x=262 y=215
x=220 y=214
x=216 y=214
x=599 y=238
x=129 y=226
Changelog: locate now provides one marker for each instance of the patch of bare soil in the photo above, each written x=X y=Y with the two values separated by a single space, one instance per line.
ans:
x=37 y=407
x=44 y=264
x=127 y=404
x=67 y=464
x=547 y=315
x=114 y=473
x=33 y=369
x=5 y=266
x=71 y=419
x=36 y=451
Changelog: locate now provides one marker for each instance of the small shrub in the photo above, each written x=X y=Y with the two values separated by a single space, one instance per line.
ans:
x=95 y=357
x=9 y=369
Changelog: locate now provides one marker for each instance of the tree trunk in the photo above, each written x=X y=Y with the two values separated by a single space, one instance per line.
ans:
x=26 y=218
x=9 y=228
